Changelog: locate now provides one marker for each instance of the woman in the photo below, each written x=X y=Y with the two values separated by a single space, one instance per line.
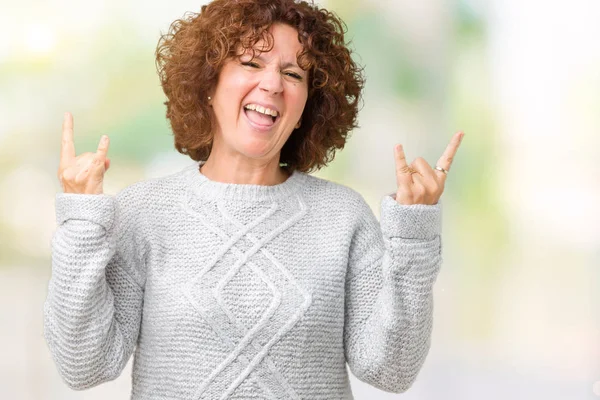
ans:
x=242 y=276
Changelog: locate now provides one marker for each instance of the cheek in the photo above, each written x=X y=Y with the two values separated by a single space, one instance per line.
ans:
x=234 y=88
x=297 y=100
x=231 y=97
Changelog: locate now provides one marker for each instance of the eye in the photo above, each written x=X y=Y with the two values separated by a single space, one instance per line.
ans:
x=294 y=75
x=250 y=64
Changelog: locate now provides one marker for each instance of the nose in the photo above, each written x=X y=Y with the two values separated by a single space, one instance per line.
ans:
x=270 y=82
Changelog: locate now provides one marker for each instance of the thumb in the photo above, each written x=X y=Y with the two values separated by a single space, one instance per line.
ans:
x=106 y=164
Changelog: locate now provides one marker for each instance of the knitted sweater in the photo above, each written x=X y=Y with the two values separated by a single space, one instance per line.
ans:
x=241 y=291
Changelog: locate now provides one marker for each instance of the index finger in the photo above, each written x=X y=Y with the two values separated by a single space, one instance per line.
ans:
x=403 y=171
x=67 y=147
x=446 y=159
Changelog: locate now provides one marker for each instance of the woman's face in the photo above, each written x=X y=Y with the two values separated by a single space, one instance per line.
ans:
x=258 y=103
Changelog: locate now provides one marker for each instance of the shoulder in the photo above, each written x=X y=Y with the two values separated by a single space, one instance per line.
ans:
x=338 y=195
x=149 y=191
x=138 y=201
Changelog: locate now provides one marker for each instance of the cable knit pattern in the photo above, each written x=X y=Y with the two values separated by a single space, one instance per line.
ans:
x=238 y=291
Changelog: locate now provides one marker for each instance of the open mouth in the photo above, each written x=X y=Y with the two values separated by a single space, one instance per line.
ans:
x=261 y=116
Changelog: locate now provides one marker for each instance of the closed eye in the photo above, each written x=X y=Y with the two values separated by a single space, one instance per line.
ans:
x=250 y=64
x=255 y=65
x=294 y=75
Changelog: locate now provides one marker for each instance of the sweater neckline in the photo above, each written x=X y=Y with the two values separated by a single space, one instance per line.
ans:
x=209 y=189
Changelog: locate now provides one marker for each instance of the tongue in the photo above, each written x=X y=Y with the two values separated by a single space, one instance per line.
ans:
x=259 y=118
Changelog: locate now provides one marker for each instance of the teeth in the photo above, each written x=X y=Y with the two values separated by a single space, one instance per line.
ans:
x=261 y=109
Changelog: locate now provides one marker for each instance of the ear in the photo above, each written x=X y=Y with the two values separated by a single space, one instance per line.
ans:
x=298 y=124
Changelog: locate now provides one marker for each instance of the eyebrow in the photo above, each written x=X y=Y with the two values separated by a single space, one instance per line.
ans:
x=285 y=65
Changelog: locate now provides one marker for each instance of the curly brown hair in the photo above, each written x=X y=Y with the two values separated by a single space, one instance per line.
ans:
x=191 y=54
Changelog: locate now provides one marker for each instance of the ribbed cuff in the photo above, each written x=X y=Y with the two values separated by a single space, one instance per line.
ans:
x=414 y=221
x=97 y=208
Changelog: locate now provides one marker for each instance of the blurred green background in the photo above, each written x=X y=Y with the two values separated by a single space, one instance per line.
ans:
x=517 y=304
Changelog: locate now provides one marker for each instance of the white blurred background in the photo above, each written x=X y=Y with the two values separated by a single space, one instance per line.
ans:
x=517 y=304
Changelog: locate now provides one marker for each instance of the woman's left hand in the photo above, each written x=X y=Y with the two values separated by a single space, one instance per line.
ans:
x=419 y=183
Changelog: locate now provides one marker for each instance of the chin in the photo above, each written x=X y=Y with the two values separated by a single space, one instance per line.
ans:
x=255 y=149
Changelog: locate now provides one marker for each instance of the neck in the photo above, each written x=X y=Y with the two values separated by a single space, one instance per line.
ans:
x=209 y=189
x=260 y=173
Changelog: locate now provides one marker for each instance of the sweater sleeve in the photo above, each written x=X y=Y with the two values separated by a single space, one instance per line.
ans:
x=93 y=307
x=389 y=301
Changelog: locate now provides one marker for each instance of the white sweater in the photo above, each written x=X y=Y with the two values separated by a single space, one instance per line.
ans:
x=238 y=291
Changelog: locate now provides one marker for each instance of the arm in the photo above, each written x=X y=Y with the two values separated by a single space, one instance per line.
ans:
x=389 y=301
x=92 y=311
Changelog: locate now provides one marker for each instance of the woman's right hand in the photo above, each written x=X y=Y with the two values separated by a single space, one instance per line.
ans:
x=83 y=174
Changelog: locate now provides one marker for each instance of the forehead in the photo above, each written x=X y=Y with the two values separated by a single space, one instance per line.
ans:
x=283 y=40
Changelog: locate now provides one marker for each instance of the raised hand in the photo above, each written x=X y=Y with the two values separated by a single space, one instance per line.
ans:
x=419 y=183
x=83 y=174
